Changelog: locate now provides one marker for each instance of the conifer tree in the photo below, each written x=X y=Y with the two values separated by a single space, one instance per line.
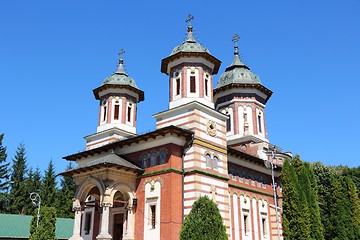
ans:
x=48 y=186
x=323 y=175
x=317 y=229
x=17 y=196
x=204 y=222
x=355 y=206
x=4 y=176
x=295 y=210
x=33 y=184
x=47 y=224
x=65 y=196
x=340 y=217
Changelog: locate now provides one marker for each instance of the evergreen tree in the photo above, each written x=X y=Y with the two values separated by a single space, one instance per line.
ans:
x=65 y=196
x=33 y=184
x=323 y=175
x=355 y=206
x=46 y=228
x=317 y=229
x=17 y=196
x=4 y=176
x=48 y=186
x=340 y=217
x=296 y=223
x=204 y=222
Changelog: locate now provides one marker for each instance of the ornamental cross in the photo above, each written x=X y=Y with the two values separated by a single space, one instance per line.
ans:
x=189 y=18
x=122 y=51
x=235 y=38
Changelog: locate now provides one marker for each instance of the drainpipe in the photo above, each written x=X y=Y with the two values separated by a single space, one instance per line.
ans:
x=185 y=148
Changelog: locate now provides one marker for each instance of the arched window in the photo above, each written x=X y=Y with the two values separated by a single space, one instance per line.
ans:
x=163 y=156
x=153 y=159
x=208 y=160
x=215 y=162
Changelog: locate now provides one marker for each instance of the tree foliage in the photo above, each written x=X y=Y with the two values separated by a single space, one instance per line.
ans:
x=17 y=196
x=65 y=196
x=48 y=186
x=204 y=222
x=46 y=228
x=4 y=175
x=296 y=218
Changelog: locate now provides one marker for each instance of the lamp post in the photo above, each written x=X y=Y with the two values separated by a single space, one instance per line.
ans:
x=36 y=202
x=270 y=164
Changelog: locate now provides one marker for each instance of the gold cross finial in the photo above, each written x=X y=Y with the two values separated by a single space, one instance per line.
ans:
x=189 y=18
x=235 y=38
x=122 y=51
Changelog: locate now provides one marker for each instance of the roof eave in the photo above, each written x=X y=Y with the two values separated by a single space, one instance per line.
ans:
x=165 y=62
x=136 y=139
x=258 y=86
x=96 y=91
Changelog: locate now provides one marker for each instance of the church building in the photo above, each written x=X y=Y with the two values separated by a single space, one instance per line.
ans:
x=210 y=141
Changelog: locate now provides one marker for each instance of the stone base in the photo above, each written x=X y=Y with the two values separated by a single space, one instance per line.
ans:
x=104 y=237
x=128 y=238
x=76 y=238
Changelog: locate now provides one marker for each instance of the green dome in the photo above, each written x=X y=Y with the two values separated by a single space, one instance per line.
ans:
x=237 y=72
x=120 y=77
x=189 y=45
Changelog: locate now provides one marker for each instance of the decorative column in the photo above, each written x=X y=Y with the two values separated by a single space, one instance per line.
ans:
x=105 y=218
x=129 y=231
x=77 y=226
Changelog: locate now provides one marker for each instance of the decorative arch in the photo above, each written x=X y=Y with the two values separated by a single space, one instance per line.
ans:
x=87 y=185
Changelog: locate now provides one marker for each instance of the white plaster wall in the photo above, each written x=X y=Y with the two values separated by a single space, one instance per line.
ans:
x=241 y=120
x=152 y=197
x=250 y=119
x=236 y=217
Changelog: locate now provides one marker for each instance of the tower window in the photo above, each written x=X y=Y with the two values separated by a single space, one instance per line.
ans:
x=259 y=122
x=177 y=86
x=129 y=108
x=228 y=123
x=153 y=216
x=206 y=87
x=105 y=112
x=192 y=84
x=116 y=112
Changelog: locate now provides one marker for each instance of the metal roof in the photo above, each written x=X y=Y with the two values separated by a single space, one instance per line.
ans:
x=18 y=226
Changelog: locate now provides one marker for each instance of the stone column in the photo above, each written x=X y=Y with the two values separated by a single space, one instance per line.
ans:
x=77 y=226
x=129 y=233
x=105 y=222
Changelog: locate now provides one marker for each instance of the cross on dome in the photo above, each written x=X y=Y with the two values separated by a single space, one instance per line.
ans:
x=189 y=18
x=235 y=39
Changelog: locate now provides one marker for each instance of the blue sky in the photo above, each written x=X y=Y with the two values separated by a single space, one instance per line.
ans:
x=54 y=53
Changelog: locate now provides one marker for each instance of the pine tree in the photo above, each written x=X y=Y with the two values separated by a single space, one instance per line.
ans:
x=65 y=196
x=4 y=176
x=46 y=228
x=33 y=184
x=17 y=196
x=48 y=186
x=355 y=206
x=204 y=222
x=295 y=211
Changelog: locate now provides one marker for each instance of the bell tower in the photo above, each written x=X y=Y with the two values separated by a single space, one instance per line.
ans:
x=190 y=67
x=118 y=96
x=240 y=95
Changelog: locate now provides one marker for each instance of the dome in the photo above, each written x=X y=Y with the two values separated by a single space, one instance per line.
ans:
x=237 y=72
x=120 y=77
x=189 y=45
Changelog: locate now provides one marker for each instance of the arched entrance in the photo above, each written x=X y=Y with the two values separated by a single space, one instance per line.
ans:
x=120 y=202
x=91 y=215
